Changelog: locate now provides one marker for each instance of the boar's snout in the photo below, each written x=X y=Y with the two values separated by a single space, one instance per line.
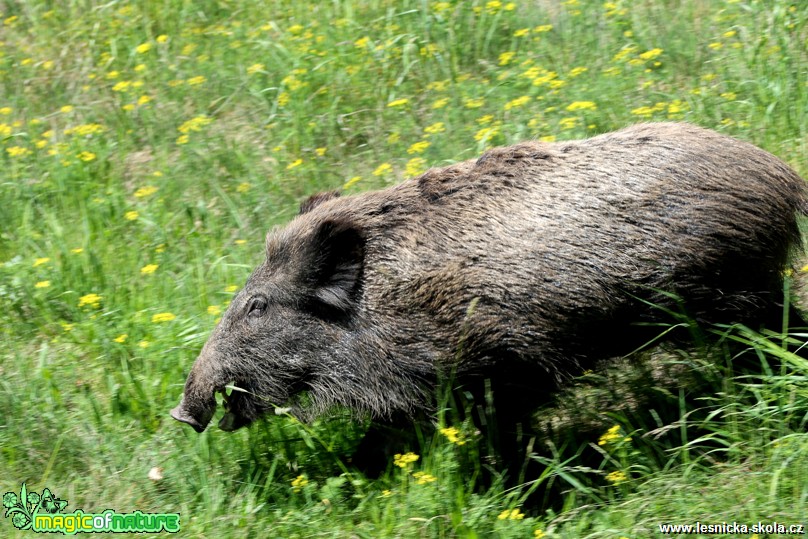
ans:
x=199 y=420
x=198 y=402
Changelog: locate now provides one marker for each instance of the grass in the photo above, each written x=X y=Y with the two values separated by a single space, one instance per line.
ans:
x=147 y=147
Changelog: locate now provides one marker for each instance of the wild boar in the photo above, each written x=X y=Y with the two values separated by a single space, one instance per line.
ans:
x=523 y=267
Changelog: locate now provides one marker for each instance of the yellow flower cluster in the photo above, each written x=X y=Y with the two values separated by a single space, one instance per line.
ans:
x=422 y=478
x=383 y=169
x=415 y=167
x=418 y=147
x=581 y=105
x=511 y=514
x=145 y=191
x=194 y=124
x=613 y=435
x=617 y=477
x=518 y=102
x=402 y=461
x=299 y=482
x=148 y=269
x=91 y=300
x=454 y=435
x=85 y=130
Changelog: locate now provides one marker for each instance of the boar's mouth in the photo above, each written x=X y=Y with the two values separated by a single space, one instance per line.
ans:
x=241 y=405
x=198 y=415
x=232 y=419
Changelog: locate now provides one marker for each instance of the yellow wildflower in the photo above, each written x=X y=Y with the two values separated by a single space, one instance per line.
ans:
x=351 y=182
x=398 y=102
x=194 y=124
x=162 y=38
x=145 y=191
x=382 y=169
x=471 y=103
x=193 y=81
x=402 y=461
x=121 y=338
x=86 y=156
x=42 y=284
x=651 y=55
x=422 y=478
x=214 y=310
x=415 y=166
x=122 y=86
x=418 y=147
x=518 y=102
x=17 y=151
x=486 y=133
x=148 y=269
x=93 y=300
x=511 y=514
x=581 y=105
x=294 y=164
x=617 y=477
x=440 y=103
x=435 y=128
x=40 y=261
x=85 y=130
x=299 y=482
x=143 y=48
x=454 y=435
x=162 y=317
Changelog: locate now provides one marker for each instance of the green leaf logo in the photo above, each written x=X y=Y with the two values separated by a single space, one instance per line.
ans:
x=24 y=507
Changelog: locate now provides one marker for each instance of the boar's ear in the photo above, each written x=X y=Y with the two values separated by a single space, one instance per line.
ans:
x=315 y=200
x=336 y=258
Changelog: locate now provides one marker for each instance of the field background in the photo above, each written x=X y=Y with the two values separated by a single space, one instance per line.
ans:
x=147 y=147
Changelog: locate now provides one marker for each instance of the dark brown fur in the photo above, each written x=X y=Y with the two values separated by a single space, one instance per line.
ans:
x=523 y=267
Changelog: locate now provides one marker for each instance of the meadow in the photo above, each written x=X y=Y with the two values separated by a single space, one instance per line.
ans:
x=147 y=147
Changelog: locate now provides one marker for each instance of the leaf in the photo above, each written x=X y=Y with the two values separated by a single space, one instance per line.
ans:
x=50 y=503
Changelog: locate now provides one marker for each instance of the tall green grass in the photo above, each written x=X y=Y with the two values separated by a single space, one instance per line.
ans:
x=146 y=148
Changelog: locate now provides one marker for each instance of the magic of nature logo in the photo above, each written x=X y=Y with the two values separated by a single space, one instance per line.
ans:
x=45 y=513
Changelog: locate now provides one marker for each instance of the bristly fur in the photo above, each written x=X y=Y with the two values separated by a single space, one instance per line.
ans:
x=524 y=266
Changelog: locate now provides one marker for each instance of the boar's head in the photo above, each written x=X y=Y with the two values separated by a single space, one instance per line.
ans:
x=281 y=336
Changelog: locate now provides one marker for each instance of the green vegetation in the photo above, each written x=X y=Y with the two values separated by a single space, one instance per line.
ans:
x=146 y=147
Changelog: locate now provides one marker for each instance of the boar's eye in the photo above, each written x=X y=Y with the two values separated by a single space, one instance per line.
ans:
x=257 y=306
